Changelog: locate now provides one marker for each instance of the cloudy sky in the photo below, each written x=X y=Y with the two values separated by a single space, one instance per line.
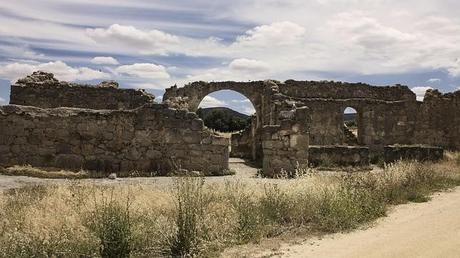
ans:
x=156 y=44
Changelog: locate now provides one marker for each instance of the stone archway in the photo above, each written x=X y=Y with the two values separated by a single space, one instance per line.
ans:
x=191 y=95
x=233 y=115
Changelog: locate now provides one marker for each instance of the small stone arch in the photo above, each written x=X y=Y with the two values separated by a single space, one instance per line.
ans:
x=348 y=137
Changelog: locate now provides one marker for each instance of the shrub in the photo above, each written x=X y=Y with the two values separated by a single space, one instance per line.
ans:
x=190 y=208
x=346 y=207
x=111 y=222
x=276 y=204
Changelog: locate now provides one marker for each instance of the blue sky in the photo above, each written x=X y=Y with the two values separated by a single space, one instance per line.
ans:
x=156 y=44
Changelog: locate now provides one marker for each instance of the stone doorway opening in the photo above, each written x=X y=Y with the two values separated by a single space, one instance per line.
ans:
x=232 y=115
x=351 y=126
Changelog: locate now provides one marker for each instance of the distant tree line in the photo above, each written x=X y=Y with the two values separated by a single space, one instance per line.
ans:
x=222 y=121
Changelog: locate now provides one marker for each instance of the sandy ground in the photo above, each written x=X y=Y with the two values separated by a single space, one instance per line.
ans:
x=243 y=172
x=430 y=229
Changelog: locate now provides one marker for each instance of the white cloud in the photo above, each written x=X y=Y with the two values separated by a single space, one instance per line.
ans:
x=248 y=65
x=60 y=69
x=454 y=69
x=420 y=92
x=350 y=41
x=434 y=80
x=240 y=101
x=349 y=110
x=243 y=106
x=210 y=101
x=104 y=60
x=154 y=85
x=2 y=101
x=292 y=36
x=144 y=70
x=278 y=33
x=152 y=42
x=248 y=110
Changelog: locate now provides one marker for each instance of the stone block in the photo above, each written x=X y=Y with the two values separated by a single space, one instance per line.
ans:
x=422 y=153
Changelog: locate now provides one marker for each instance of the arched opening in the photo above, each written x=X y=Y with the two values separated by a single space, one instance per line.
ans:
x=226 y=111
x=350 y=126
x=232 y=115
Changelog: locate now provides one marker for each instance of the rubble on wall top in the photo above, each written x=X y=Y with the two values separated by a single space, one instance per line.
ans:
x=38 y=77
x=108 y=84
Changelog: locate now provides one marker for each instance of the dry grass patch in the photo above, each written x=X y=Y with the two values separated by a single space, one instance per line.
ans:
x=27 y=170
x=194 y=218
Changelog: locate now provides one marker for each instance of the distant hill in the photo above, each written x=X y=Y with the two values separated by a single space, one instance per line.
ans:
x=206 y=111
x=349 y=117
x=224 y=119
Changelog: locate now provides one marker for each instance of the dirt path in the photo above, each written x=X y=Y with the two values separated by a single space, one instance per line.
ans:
x=429 y=229
x=241 y=168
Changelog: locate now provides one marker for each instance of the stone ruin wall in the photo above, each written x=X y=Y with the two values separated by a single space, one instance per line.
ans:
x=258 y=92
x=42 y=90
x=285 y=146
x=94 y=135
x=243 y=142
x=438 y=120
x=333 y=155
x=153 y=138
x=386 y=116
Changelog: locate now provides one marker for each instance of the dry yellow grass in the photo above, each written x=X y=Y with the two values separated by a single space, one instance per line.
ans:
x=27 y=170
x=193 y=218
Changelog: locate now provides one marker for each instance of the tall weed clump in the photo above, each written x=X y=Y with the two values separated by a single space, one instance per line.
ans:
x=190 y=202
x=243 y=201
x=347 y=205
x=413 y=181
x=111 y=222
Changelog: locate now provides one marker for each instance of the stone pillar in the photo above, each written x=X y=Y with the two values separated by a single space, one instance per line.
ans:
x=285 y=146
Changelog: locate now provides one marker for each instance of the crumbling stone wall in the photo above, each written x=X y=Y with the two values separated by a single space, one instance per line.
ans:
x=153 y=138
x=285 y=146
x=258 y=92
x=330 y=156
x=123 y=130
x=385 y=115
x=438 y=120
x=343 y=90
x=244 y=142
x=41 y=89
x=394 y=153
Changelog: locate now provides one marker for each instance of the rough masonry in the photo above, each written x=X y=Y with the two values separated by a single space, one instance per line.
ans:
x=297 y=124
x=42 y=90
x=152 y=138
x=386 y=116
